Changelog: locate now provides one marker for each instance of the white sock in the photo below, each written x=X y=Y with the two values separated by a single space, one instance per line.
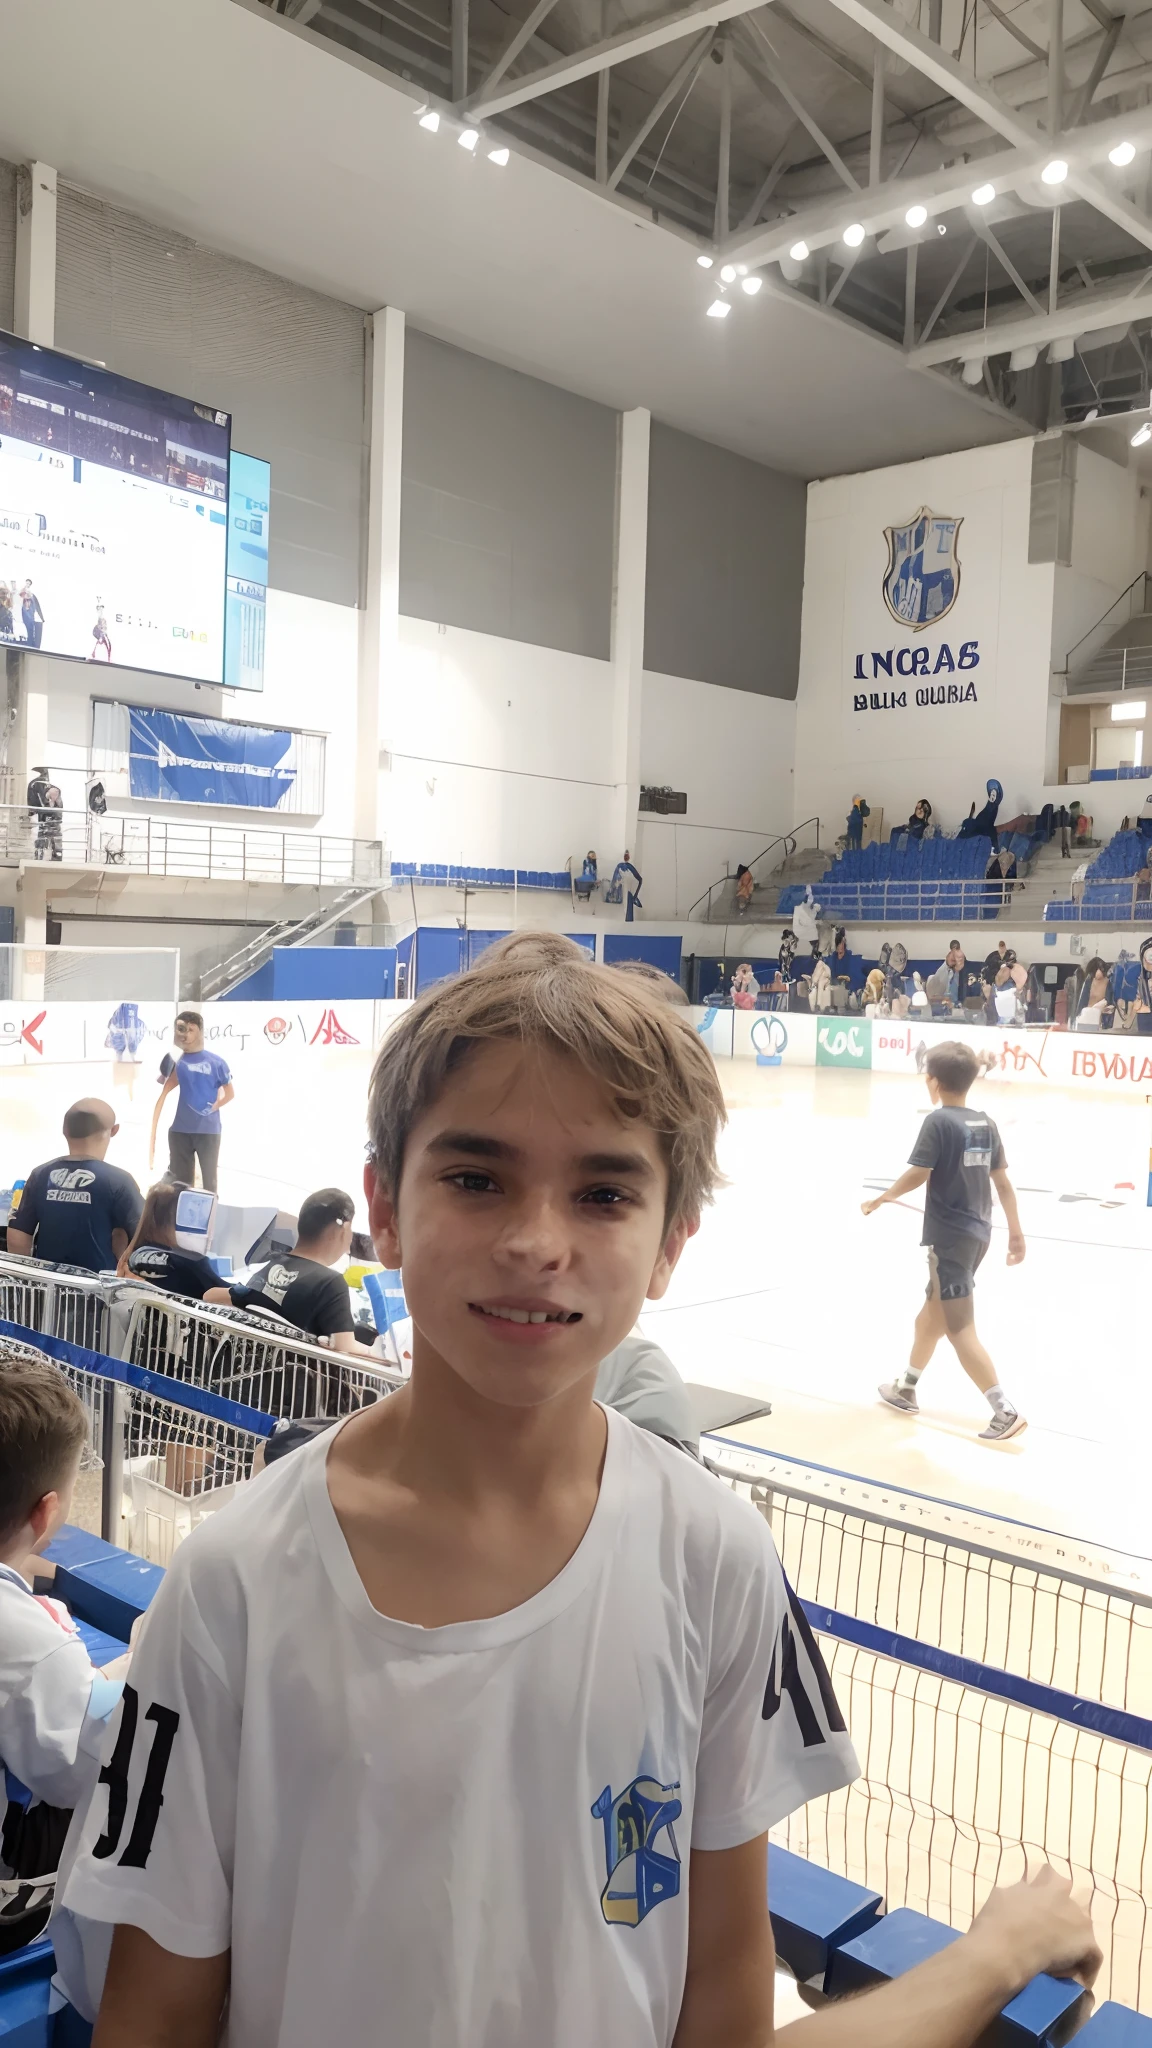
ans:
x=998 y=1401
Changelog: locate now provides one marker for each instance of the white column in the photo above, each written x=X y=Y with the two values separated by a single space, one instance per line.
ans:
x=35 y=295
x=379 y=627
x=630 y=570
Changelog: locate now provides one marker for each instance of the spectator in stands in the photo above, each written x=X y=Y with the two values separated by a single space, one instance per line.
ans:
x=913 y=832
x=856 y=817
x=154 y=1254
x=586 y=880
x=744 y=888
x=205 y=1084
x=745 y=987
x=953 y=964
x=806 y=926
x=994 y=962
x=77 y=1210
x=1143 y=891
x=1062 y=823
x=54 y=1702
x=980 y=823
x=788 y=944
x=1144 y=993
x=45 y=804
x=1079 y=878
x=1094 y=1011
x=1144 y=821
x=299 y=1286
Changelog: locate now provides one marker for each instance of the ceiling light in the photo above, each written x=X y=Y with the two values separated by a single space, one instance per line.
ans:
x=972 y=372
x=728 y=274
x=468 y=138
x=854 y=235
x=705 y=262
x=984 y=195
x=751 y=285
x=430 y=119
x=1142 y=435
x=916 y=216
x=799 y=252
x=499 y=156
x=1062 y=351
x=719 y=309
x=1122 y=154
x=1024 y=358
x=940 y=228
x=1055 y=172
x=1122 y=711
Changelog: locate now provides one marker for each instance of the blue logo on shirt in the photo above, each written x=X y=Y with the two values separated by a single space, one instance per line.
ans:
x=639 y=1875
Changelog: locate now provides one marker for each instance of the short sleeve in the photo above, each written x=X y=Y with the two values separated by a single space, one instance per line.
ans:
x=926 y=1150
x=998 y=1160
x=45 y=1716
x=127 y=1205
x=772 y=1734
x=28 y=1217
x=156 y=1846
x=223 y=1072
x=333 y=1311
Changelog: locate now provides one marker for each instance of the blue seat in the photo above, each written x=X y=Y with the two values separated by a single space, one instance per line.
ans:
x=897 y=1943
x=1115 y=2027
x=814 y=1911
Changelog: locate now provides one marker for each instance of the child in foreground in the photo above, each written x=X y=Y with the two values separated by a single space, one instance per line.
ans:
x=54 y=1702
x=960 y=1155
x=464 y=1727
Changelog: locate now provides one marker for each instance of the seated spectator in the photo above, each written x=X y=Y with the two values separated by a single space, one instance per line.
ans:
x=744 y=888
x=54 y=1702
x=820 y=994
x=299 y=1286
x=994 y=962
x=745 y=987
x=805 y=924
x=154 y=1254
x=913 y=832
x=1143 y=884
x=77 y=1210
x=843 y=965
x=788 y=944
x=587 y=879
x=1094 y=1010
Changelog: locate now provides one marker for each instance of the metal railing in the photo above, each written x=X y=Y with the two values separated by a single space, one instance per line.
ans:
x=915 y=902
x=788 y=840
x=181 y=847
x=1129 y=605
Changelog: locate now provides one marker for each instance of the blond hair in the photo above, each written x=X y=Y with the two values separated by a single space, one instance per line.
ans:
x=539 y=989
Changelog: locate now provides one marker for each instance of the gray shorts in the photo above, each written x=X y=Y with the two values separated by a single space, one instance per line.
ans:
x=952 y=1268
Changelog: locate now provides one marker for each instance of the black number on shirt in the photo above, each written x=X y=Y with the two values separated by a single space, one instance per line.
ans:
x=790 y=1681
x=115 y=1776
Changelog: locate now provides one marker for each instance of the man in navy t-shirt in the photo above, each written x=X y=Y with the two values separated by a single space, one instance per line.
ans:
x=205 y=1084
x=77 y=1210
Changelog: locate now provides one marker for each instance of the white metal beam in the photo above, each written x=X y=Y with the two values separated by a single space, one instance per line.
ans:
x=679 y=79
x=616 y=49
x=761 y=53
x=1080 y=317
x=512 y=48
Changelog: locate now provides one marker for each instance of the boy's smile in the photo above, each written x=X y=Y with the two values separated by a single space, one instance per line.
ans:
x=530 y=1224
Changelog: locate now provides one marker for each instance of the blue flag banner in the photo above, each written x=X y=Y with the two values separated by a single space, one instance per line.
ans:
x=177 y=759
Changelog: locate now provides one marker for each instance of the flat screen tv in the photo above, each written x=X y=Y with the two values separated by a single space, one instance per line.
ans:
x=113 y=517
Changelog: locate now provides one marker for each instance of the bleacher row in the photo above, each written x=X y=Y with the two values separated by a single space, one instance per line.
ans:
x=1109 y=886
x=436 y=874
x=929 y=880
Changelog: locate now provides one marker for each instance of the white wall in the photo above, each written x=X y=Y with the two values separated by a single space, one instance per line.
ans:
x=498 y=751
x=947 y=751
x=732 y=752
x=309 y=685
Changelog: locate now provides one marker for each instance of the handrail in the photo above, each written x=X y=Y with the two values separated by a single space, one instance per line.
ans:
x=781 y=839
x=1141 y=578
x=185 y=847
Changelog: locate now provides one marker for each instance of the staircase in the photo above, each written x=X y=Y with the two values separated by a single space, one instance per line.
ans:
x=1123 y=659
x=218 y=980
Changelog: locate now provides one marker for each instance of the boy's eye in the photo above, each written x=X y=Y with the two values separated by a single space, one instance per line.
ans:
x=473 y=1182
x=606 y=1198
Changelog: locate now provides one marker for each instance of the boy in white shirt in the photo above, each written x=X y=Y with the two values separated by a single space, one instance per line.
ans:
x=54 y=1703
x=465 y=1725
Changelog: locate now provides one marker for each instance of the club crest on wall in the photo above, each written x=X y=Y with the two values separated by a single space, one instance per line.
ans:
x=922 y=581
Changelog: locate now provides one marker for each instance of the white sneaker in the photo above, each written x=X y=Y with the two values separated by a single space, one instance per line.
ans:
x=1003 y=1426
x=899 y=1397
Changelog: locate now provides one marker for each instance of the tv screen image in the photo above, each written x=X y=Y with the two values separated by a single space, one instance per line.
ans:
x=249 y=498
x=113 y=517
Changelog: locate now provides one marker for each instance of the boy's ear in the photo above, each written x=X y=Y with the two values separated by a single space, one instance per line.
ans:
x=674 y=1243
x=383 y=1225
x=40 y=1516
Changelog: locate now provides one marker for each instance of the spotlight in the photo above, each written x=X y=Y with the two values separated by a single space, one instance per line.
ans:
x=468 y=138
x=940 y=228
x=1062 y=351
x=719 y=309
x=972 y=372
x=984 y=195
x=1055 y=172
x=1142 y=435
x=430 y=120
x=1122 y=154
x=799 y=252
x=705 y=262
x=728 y=274
x=916 y=216
x=751 y=285
x=854 y=235
x=1024 y=358
x=499 y=156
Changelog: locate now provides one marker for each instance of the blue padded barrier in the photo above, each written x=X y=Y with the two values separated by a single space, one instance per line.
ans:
x=101 y=1647
x=1115 y=2027
x=25 y=1991
x=111 y=1593
x=1046 y=2008
x=814 y=1911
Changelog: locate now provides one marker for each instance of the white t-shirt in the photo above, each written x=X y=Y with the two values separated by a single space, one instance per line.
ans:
x=54 y=1704
x=473 y=1836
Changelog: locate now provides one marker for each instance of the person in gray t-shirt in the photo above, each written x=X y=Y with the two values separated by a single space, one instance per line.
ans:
x=641 y=1381
x=960 y=1156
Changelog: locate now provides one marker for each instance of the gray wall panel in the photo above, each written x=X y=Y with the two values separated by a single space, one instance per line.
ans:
x=725 y=567
x=508 y=502
x=286 y=362
x=7 y=243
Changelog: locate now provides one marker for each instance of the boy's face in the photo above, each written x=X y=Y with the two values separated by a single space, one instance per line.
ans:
x=523 y=1192
x=189 y=1037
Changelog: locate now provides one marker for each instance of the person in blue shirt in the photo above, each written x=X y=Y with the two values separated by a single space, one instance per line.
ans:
x=205 y=1084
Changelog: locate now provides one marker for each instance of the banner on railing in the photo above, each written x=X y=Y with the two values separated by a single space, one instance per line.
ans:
x=177 y=758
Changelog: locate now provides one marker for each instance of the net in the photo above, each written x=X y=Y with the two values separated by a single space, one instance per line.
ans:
x=89 y=974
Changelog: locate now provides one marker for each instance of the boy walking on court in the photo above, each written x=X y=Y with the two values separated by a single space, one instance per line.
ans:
x=960 y=1155
x=463 y=1727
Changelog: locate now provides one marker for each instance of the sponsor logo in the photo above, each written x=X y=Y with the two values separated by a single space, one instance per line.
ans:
x=330 y=1031
x=922 y=580
x=639 y=1875
x=276 y=1030
x=71 y=1177
x=769 y=1040
x=844 y=1045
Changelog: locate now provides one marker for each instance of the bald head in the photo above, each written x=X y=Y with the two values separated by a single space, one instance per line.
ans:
x=89 y=1127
